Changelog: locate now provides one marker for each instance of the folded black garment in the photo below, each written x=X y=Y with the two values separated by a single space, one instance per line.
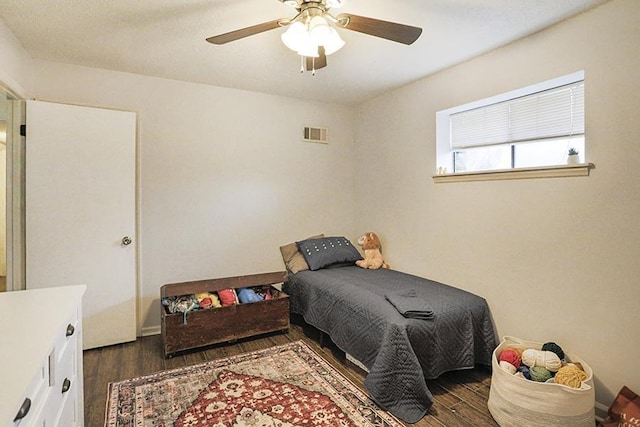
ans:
x=410 y=306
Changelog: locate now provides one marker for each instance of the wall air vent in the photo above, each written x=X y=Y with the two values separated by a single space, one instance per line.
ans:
x=313 y=134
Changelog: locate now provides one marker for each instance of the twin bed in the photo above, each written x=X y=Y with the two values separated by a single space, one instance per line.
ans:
x=352 y=305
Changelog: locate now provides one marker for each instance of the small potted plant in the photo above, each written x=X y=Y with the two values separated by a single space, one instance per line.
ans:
x=574 y=156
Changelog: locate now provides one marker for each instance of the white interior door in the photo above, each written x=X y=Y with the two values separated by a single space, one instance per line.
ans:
x=80 y=204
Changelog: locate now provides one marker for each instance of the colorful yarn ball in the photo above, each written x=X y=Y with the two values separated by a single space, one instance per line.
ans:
x=577 y=364
x=571 y=376
x=539 y=374
x=553 y=347
x=510 y=355
x=508 y=367
x=545 y=359
x=524 y=371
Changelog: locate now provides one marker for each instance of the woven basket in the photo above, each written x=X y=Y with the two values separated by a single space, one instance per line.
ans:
x=517 y=402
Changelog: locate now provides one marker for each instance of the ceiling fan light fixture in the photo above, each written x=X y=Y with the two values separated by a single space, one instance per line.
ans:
x=304 y=39
x=296 y=36
x=310 y=50
x=333 y=4
x=333 y=43
x=319 y=30
x=323 y=34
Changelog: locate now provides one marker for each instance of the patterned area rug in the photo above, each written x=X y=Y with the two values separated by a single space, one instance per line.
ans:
x=282 y=386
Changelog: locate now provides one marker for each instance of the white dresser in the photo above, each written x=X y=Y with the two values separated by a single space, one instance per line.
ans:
x=41 y=380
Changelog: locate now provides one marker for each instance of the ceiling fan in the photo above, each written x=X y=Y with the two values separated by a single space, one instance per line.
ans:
x=311 y=32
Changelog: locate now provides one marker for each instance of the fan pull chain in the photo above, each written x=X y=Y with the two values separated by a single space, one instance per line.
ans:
x=304 y=63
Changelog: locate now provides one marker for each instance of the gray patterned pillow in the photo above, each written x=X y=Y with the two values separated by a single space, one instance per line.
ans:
x=320 y=253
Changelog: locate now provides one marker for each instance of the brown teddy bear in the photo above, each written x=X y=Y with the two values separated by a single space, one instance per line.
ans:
x=372 y=255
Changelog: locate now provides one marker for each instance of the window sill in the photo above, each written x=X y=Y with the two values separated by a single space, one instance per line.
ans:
x=580 y=169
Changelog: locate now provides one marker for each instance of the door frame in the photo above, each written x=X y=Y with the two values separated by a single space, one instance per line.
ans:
x=15 y=190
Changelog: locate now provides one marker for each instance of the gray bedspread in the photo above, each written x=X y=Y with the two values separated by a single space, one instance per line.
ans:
x=349 y=304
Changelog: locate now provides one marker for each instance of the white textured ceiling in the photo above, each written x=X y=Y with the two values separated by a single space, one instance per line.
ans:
x=166 y=38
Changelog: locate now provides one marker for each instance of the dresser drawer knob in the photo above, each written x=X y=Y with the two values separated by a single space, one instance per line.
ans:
x=70 y=330
x=66 y=385
x=24 y=409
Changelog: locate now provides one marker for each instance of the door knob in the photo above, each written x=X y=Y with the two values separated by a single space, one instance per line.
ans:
x=126 y=240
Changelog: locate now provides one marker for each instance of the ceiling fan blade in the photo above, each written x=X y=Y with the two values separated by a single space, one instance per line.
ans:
x=244 y=32
x=312 y=64
x=400 y=33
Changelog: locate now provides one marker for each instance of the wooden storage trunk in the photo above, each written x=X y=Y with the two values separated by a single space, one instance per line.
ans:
x=216 y=325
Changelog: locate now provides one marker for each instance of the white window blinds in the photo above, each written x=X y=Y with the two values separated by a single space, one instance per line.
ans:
x=553 y=113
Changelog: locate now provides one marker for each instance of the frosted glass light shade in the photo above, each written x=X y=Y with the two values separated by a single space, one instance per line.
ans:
x=333 y=43
x=296 y=36
x=322 y=34
x=319 y=30
x=310 y=50
x=305 y=39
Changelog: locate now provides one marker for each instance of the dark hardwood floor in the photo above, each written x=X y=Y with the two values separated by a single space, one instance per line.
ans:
x=460 y=397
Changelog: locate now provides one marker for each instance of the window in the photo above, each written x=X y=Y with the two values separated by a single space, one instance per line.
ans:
x=526 y=128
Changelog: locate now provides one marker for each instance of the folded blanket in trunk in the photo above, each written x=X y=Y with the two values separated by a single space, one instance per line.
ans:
x=410 y=306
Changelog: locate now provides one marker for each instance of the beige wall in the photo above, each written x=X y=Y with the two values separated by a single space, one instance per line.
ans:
x=15 y=64
x=556 y=259
x=224 y=175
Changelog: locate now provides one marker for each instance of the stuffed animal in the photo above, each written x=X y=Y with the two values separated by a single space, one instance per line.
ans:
x=208 y=300
x=372 y=255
